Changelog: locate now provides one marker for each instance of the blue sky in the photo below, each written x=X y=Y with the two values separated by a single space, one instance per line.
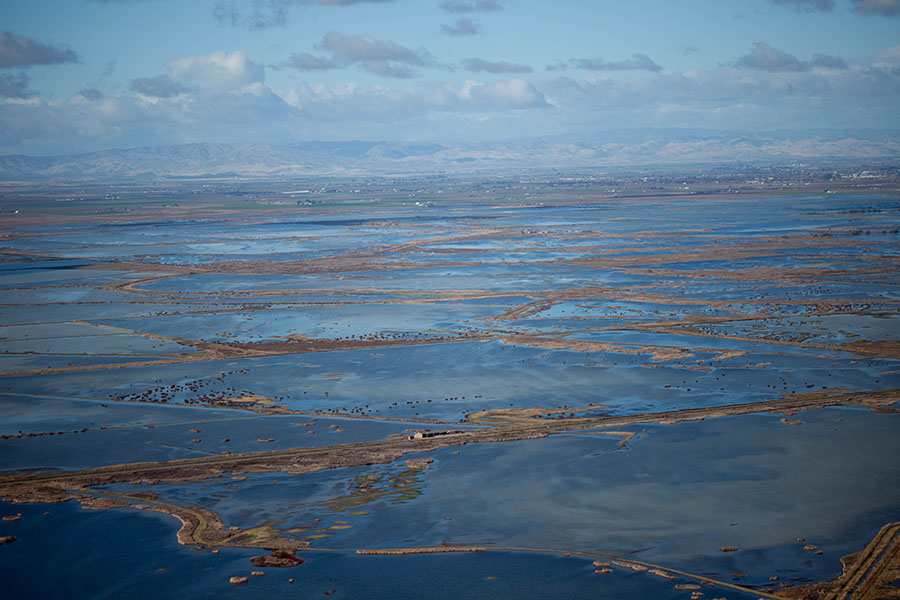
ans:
x=82 y=75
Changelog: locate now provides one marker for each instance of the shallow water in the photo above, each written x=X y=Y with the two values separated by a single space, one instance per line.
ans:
x=148 y=564
x=122 y=432
x=751 y=482
x=783 y=274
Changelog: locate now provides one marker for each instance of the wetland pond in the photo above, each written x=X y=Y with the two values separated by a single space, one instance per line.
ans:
x=504 y=402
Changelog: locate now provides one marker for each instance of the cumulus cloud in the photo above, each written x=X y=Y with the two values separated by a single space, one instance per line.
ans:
x=462 y=27
x=886 y=8
x=160 y=86
x=471 y=6
x=20 y=51
x=478 y=64
x=764 y=57
x=219 y=70
x=515 y=93
x=14 y=85
x=265 y=14
x=638 y=62
x=807 y=5
x=381 y=57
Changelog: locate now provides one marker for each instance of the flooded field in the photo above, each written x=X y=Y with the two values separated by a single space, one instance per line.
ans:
x=648 y=398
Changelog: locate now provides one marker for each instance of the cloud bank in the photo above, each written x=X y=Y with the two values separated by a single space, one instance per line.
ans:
x=225 y=96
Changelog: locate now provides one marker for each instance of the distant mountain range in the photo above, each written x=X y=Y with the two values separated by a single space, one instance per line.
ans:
x=643 y=147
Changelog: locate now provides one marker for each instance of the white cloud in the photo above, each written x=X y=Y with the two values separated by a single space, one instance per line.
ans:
x=514 y=93
x=219 y=70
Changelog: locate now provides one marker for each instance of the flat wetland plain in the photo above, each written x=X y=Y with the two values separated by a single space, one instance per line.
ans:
x=512 y=387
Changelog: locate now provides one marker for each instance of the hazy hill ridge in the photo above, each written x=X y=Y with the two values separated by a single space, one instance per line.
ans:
x=617 y=148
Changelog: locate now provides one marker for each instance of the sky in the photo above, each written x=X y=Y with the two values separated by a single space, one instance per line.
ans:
x=84 y=75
